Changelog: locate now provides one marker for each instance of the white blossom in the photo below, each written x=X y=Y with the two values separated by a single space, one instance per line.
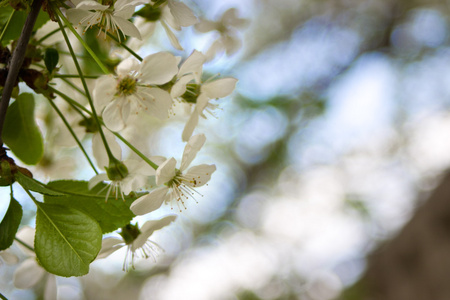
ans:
x=226 y=28
x=110 y=18
x=178 y=184
x=136 y=240
x=133 y=90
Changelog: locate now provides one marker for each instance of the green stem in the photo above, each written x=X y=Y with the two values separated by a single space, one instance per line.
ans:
x=135 y=150
x=24 y=244
x=86 y=89
x=80 y=39
x=47 y=35
x=3 y=297
x=6 y=25
x=125 y=46
x=70 y=100
x=58 y=111
x=75 y=76
x=72 y=85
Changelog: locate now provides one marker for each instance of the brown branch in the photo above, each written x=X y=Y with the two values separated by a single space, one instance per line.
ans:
x=15 y=65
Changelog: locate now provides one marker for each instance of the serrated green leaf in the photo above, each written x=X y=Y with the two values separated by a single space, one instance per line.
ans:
x=21 y=133
x=10 y=224
x=35 y=186
x=111 y=215
x=67 y=240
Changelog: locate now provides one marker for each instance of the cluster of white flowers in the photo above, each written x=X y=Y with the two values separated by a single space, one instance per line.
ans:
x=152 y=87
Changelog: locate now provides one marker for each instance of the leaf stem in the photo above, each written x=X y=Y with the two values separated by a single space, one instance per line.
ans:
x=124 y=46
x=86 y=89
x=58 y=111
x=48 y=35
x=6 y=25
x=15 y=65
x=135 y=150
x=3 y=297
x=75 y=76
x=24 y=244
x=80 y=39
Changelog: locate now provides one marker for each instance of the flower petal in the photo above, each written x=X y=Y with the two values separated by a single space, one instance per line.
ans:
x=193 y=64
x=112 y=116
x=96 y=180
x=166 y=171
x=172 y=38
x=158 y=68
x=28 y=274
x=99 y=151
x=127 y=27
x=200 y=174
x=150 y=202
x=205 y=26
x=179 y=88
x=158 y=101
x=191 y=149
x=148 y=228
x=219 y=88
x=104 y=90
x=182 y=14
x=190 y=126
x=109 y=246
x=127 y=66
x=51 y=289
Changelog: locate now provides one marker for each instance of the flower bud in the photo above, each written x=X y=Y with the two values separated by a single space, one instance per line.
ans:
x=51 y=59
x=129 y=233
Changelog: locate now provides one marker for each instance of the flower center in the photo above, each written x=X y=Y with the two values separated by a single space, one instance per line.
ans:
x=127 y=86
x=129 y=233
x=192 y=93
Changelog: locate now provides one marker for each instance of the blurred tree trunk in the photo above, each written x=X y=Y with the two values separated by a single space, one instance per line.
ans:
x=414 y=265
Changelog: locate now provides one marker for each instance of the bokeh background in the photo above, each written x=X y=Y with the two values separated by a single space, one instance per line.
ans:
x=338 y=129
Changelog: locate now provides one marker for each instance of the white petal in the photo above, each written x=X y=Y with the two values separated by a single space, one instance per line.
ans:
x=219 y=88
x=215 y=48
x=158 y=102
x=182 y=13
x=51 y=290
x=158 y=68
x=96 y=180
x=75 y=15
x=200 y=174
x=231 y=44
x=127 y=27
x=109 y=246
x=8 y=257
x=205 y=26
x=166 y=171
x=191 y=149
x=179 y=88
x=150 y=202
x=230 y=18
x=26 y=234
x=172 y=38
x=193 y=64
x=202 y=102
x=112 y=116
x=104 y=90
x=126 y=66
x=190 y=126
x=148 y=228
x=91 y=5
x=28 y=274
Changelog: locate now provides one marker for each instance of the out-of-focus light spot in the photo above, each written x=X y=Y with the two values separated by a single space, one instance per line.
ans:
x=259 y=130
x=324 y=285
x=428 y=27
x=315 y=51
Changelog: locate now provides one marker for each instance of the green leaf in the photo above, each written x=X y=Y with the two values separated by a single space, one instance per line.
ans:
x=111 y=215
x=15 y=26
x=10 y=224
x=51 y=59
x=35 y=186
x=21 y=133
x=66 y=241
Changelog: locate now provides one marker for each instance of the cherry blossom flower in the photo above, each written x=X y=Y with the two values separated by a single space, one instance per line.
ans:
x=132 y=178
x=136 y=240
x=189 y=89
x=110 y=18
x=171 y=14
x=132 y=91
x=178 y=184
x=227 y=28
